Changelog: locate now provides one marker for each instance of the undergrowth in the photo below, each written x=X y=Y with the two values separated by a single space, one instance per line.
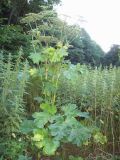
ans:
x=98 y=92
x=12 y=88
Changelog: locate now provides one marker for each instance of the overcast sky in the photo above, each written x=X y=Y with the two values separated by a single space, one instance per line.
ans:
x=102 y=19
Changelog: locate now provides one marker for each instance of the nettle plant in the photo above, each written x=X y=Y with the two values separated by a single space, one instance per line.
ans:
x=53 y=125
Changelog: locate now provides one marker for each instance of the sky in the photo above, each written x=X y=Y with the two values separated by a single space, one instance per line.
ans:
x=100 y=18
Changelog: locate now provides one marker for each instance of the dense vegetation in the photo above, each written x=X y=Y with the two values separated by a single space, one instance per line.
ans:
x=59 y=92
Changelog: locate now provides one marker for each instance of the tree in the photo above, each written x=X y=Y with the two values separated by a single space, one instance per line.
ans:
x=13 y=34
x=11 y=10
x=85 y=50
x=112 y=57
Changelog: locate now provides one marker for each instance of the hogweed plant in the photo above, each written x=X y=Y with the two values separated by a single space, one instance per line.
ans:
x=52 y=125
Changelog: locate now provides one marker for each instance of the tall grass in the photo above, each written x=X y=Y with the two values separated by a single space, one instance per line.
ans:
x=97 y=91
x=12 y=88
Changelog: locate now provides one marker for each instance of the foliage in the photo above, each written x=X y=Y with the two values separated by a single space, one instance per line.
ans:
x=51 y=129
x=12 y=38
x=13 y=35
x=11 y=106
x=44 y=22
x=50 y=67
x=84 y=50
x=59 y=96
x=12 y=10
x=97 y=91
x=44 y=27
x=112 y=57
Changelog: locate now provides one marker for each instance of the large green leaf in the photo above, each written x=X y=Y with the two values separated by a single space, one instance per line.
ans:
x=37 y=57
x=79 y=135
x=41 y=118
x=58 y=129
x=62 y=52
x=48 y=108
x=39 y=136
x=50 y=146
x=53 y=56
x=27 y=126
x=62 y=127
x=70 y=110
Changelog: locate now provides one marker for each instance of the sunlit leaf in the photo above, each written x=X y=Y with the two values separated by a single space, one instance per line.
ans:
x=36 y=58
x=100 y=138
x=48 y=108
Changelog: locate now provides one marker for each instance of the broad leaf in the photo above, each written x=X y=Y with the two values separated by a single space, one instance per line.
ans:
x=79 y=135
x=27 y=126
x=48 y=108
x=70 y=110
x=39 y=136
x=36 y=58
x=57 y=130
x=50 y=146
x=41 y=118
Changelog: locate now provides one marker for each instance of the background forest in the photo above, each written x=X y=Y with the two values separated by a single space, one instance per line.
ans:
x=59 y=91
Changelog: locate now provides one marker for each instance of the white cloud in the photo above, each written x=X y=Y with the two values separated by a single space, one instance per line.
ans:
x=102 y=18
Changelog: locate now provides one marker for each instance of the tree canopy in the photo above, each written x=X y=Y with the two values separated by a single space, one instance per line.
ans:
x=12 y=10
x=112 y=57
